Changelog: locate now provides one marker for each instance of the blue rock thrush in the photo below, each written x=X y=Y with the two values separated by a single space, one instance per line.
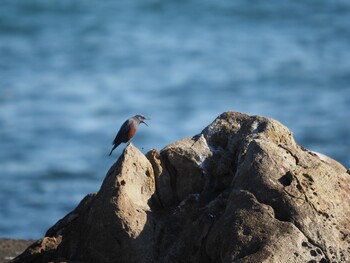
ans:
x=128 y=130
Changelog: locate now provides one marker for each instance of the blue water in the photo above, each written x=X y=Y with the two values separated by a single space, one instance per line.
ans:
x=72 y=71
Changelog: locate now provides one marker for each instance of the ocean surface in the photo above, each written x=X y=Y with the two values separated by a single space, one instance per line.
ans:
x=71 y=72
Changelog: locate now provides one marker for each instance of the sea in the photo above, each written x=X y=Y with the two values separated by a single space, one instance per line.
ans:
x=71 y=72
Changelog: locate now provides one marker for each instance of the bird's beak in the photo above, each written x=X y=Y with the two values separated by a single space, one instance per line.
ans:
x=144 y=122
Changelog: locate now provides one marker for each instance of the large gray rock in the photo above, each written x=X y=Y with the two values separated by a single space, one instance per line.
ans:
x=241 y=191
x=10 y=248
x=114 y=224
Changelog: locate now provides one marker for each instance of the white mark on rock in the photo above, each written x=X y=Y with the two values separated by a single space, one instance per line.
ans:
x=255 y=127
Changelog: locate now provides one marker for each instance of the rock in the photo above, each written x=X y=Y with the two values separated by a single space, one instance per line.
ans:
x=112 y=224
x=10 y=248
x=241 y=191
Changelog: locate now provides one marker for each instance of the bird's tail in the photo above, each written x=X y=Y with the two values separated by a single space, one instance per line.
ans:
x=112 y=150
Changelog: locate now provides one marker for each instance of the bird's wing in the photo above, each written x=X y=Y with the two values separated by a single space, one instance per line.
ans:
x=122 y=133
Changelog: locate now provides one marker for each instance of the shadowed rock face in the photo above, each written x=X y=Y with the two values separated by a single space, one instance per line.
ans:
x=240 y=191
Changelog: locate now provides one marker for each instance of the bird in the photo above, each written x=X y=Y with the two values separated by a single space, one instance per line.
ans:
x=128 y=130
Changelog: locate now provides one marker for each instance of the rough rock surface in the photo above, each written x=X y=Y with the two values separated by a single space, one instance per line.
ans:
x=10 y=248
x=241 y=191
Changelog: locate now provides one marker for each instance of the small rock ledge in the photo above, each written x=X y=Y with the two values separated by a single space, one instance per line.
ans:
x=241 y=191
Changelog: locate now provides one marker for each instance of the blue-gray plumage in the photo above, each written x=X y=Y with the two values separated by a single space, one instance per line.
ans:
x=128 y=130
